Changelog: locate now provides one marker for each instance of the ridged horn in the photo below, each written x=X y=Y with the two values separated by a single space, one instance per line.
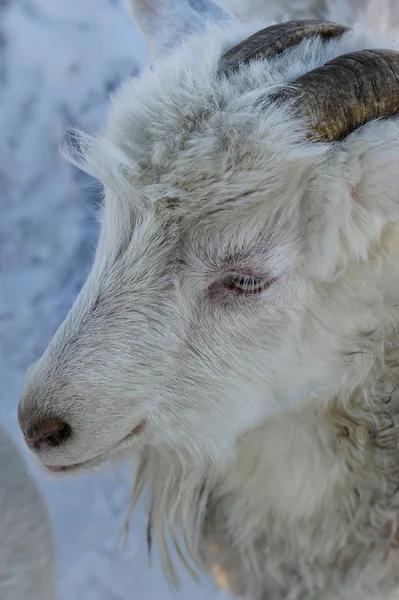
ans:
x=276 y=39
x=347 y=92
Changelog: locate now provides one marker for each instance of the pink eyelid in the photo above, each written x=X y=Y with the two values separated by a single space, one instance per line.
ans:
x=226 y=284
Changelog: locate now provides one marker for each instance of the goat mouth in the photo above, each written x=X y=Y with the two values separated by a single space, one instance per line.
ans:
x=100 y=458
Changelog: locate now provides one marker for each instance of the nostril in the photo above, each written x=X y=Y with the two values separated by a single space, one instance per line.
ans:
x=50 y=432
x=30 y=433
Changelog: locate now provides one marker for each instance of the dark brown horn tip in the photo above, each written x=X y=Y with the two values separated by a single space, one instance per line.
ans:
x=275 y=40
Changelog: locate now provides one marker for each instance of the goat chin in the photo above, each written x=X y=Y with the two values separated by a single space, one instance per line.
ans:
x=308 y=508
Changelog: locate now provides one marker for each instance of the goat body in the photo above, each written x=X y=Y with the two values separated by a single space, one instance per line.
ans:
x=27 y=553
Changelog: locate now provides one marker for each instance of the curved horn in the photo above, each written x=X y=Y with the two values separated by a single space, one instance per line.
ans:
x=276 y=39
x=347 y=92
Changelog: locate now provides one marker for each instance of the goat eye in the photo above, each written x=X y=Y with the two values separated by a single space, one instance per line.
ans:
x=245 y=284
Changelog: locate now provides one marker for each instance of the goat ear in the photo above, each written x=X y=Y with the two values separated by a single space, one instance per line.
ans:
x=164 y=23
x=372 y=168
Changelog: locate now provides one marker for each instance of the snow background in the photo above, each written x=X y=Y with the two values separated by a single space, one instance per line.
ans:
x=59 y=60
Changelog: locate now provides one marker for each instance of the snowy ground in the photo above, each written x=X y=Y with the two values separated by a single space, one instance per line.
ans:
x=59 y=59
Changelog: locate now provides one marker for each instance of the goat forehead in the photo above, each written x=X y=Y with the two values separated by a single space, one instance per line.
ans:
x=224 y=164
x=182 y=108
x=202 y=201
x=192 y=142
x=210 y=145
x=177 y=117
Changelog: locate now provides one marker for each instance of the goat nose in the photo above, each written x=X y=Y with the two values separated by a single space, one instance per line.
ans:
x=50 y=432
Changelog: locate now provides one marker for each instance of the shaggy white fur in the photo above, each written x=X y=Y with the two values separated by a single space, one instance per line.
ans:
x=27 y=552
x=266 y=426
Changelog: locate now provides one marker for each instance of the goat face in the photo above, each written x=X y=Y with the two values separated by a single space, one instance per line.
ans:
x=226 y=285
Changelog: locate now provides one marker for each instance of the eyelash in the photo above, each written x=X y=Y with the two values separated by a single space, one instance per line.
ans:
x=246 y=284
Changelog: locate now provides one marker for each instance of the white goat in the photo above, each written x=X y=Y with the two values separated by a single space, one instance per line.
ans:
x=238 y=332
x=27 y=556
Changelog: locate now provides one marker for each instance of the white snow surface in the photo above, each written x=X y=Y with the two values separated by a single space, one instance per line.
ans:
x=59 y=60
